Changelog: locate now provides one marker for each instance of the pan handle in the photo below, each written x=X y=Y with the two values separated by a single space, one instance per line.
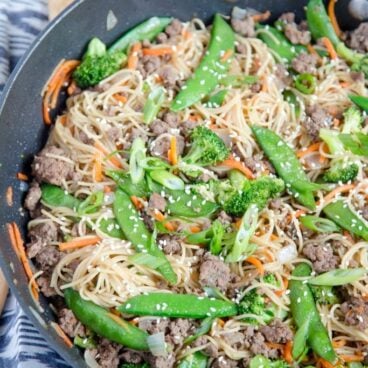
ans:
x=3 y=291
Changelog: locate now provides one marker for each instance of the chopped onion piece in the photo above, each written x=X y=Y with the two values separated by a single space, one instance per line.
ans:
x=111 y=20
x=90 y=360
x=156 y=344
x=287 y=254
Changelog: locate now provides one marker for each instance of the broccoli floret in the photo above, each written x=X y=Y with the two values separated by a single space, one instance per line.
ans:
x=325 y=294
x=353 y=120
x=257 y=192
x=254 y=303
x=340 y=170
x=207 y=148
x=271 y=279
x=97 y=64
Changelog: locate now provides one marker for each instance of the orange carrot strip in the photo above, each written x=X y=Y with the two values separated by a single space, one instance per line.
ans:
x=9 y=196
x=345 y=84
x=352 y=358
x=21 y=176
x=348 y=236
x=329 y=46
x=170 y=226
x=312 y=148
x=137 y=202
x=194 y=117
x=107 y=189
x=257 y=264
x=267 y=254
x=97 y=167
x=274 y=345
x=287 y=352
x=186 y=34
x=339 y=343
x=325 y=363
x=233 y=164
x=285 y=283
x=227 y=55
x=62 y=334
x=79 y=243
x=172 y=153
x=261 y=17
x=158 y=51
x=112 y=159
x=342 y=189
x=332 y=15
x=274 y=237
x=72 y=88
x=120 y=98
x=221 y=322
x=13 y=241
x=158 y=216
x=133 y=56
x=195 y=229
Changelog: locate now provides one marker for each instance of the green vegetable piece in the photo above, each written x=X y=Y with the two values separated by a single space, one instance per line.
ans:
x=238 y=80
x=167 y=179
x=84 y=342
x=353 y=120
x=124 y=181
x=148 y=260
x=217 y=99
x=304 y=312
x=319 y=224
x=136 y=232
x=355 y=365
x=137 y=156
x=177 y=306
x=242 y=248
x=111 y=228
x=195 y=360
x=339 y=212
x=278 y=43
x=133 y=365
x=306 y=83
x=97 y=64
x=203 y=329
x=91 y=204
x=146 y=30
x=154 y=163
x=338 y=277
x=286 y=165
x=291 y=98
x=356 y=143
x=211 y=69
x=105 y=324
x=259 y=361
x=360 y=101
x=57 y=197
x=325 y=294
x=153 y=104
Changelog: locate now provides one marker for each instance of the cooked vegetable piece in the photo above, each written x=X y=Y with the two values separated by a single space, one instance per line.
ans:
x=137 y=156
x=91 y=204
x=319 y=224
x=84 y=342
x=136 y=232
x=290 y=97
x=104 y=323
x=307 y=318
x=339 y=212
x=146 y=30
x=211 y=69
x=306 y=83
x=123 y=180
x=286 y=165
x=356 y=143
x=57 y=197
x=153 y=104
x=111 y=228
x=195 y=360
x=360 y=101
x=338 y=277
x=167 y=179
x=203 y=329
x=217 y=99
x=177 y=306
x=325 y=294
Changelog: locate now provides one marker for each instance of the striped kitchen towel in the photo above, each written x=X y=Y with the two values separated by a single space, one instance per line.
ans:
x=21 y=346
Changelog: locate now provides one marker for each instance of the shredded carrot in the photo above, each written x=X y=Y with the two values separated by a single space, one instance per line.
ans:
x=195 y=229
x=158 y=51
x=264 y=84
x=227 y=55
x=287 y=352
x=171 y=226
x=186 y=34
x=332 y=15
x=111 y=158
x=137 y=202
x=257 y=264
x=13 y=241
x=97 y=167
x=348 y=236
x=133 y=56
x=158 y=216
x=274 y=345
x=79 y=243
x=172 y=153
x=237 y=223
x=120 y=98
x=261 y=17
x=267 y=254
x=63 y=119
x=345 y=84
x=57 y=81
x=134 y=321
x=311 y=49
x=72 y=88
x=115 y=312
x=194 y=117
x=233 y=164
x=62 y=334
x=221 y=322
x=325 y=363
x=285 y=284
x=339 y=343
x=274 y=237
x=9 y=196
x=312 y=148
x=21 y=176
x=329 y=46
x=342 y=189
x=107 y=189
x=352 y=358
x=158 y=79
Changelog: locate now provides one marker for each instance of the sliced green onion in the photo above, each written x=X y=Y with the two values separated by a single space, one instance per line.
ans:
x=238 y=80
x=154 y=163
x=153 y=104
x=306 y=83
x=203 y=328
x=137 y=156
x=290 y=97
x=195 y=360
x=145 y=259
x=338 y=277
x=319 y=224
x=167 y=179
x=214 y=292
x=217 y=235
x=157 y=344
x=91 y=204
x=84 y=342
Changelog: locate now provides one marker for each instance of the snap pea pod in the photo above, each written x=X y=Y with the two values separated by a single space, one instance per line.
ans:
x=339 y=212
x=306 y=316
x=57 y=197
x=211 y=69
x=146 y=30
x=319 y=224
x=217 y=99
x=178 y=306
x=286 y=165
x=136 y=232
x=356 y=143
x=184 y=203
x=277 y=42
x=338 y=277
x=360 y=101
x=111 y=228
x=104 y=323
x=125 y=183
x=195 y=360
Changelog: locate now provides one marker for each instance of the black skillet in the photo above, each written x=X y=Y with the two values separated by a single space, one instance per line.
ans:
x=22 y=132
